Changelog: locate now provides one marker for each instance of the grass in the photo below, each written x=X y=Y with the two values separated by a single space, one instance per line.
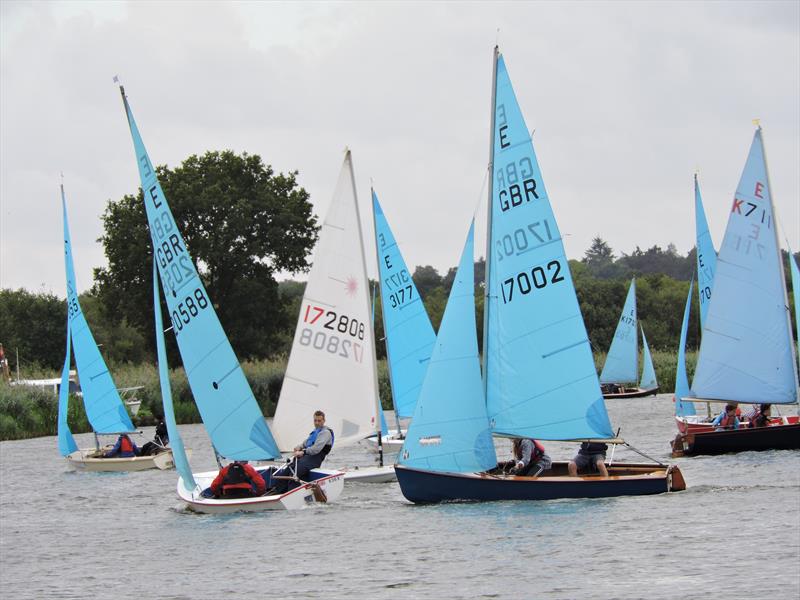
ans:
x=31 y=412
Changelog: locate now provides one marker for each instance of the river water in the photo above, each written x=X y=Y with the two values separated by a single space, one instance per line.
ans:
x=735 y=533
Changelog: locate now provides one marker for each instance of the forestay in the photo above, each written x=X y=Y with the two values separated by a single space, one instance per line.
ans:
x=229 y=410
x=622 y=362
x=449 y=431
x=683 y=409
x=540 y=375
x=175 y=440
x=706 y=255
x=332 y=362
x=104 y=408
x=648 y=380
x=409 y=334
x=746 y=353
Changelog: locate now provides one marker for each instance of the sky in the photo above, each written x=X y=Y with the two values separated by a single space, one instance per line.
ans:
x=627 y=101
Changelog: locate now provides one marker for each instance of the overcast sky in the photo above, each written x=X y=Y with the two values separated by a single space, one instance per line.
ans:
x=627 y=100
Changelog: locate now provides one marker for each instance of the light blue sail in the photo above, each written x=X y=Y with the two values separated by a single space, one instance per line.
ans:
x=66 y=443
x=706 y=255
x=795 y=294
x=175 y=440
x=104 y=408
x=622 y=361
x=683 y=409
x=648 y=380
x=746 y=352
x=407 y=328
x=450 y=429
x=541 y=380
x=229 y=410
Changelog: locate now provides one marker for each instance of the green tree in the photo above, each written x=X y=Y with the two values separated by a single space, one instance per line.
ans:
x=426 y=279
x=242 y=223
x=36 y=326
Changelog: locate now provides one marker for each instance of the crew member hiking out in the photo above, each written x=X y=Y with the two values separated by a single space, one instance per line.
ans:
x=308 y=455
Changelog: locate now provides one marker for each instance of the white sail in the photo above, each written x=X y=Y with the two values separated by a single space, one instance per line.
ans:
x=332 y=363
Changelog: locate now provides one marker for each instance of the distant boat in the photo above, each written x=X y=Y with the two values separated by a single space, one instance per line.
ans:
x=706 y=254
x=539 y=375
x=230 y=413
x=622 y=362
x=747 y=351
x=332 y=364
x=104 y=407
x=407 y=328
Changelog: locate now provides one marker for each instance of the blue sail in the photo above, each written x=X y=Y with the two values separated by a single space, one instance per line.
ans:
x=541 y=380
x=648 y=380
x=175 y=440
x=795 y=294
x=622 y=360
x=66 y=443
x=746 y=352
x=229 y=410
x=407 y=328
x=683 y=409
x=706 y=255
x=450 y=429
x=104 y=408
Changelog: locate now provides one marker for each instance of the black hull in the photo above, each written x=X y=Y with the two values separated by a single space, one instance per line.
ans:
x=775 y=437
x=637 y=393
x=429 y=487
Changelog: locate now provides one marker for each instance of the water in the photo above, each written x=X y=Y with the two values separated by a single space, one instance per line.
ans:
x=734 y=533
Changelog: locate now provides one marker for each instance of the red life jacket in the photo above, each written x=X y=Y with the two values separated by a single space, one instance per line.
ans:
x=236 y=478
x=727 y=421
x=126 y=445
x=538 y=451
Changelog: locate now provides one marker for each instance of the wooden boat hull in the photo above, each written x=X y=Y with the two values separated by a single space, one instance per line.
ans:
x=633 y=393
x=625 y=479
x=696 y=424
x=87 y=460
x=710 y=442
x=383 y=474
x=330 y=482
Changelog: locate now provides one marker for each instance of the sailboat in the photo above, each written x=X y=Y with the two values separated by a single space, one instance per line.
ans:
x=621 y=366
x=407 y=328
x=230 y=413
x=104 y=407
x=539 y=378
x=746 y=351
x=332 y=364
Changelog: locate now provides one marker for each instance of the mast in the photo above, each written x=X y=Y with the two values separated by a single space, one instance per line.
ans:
x=487 y=268
x=780 y=265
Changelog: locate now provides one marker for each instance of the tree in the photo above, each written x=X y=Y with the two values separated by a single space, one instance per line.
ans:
x=36 y=326
x=426 y=279
x=242 y=223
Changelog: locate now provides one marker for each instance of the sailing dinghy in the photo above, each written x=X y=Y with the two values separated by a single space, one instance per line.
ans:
x=230 y=413
x=621 y=366
x=539 y=375
x=104 y=407
x=747 y=353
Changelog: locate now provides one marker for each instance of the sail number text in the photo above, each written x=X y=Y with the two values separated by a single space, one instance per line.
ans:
x=334 y=321
x=526 y=281
x=332 y=344
x=515 y=181
x=524 y=239
x=400 y=287
x=188 y=308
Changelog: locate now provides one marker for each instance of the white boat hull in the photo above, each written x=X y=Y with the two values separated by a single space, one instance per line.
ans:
x=391 y=443
x=383 y=474
x=331 y=483
x=87 y=460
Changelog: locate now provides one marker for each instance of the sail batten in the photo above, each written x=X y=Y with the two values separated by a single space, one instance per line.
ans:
x=540 y=375
x=237 y=428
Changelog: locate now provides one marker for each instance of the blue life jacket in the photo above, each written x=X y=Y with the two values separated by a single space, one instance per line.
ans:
x=312 y=437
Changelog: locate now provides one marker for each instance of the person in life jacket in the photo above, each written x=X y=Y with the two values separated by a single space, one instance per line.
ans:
x=529 y=460
x=160 y=439
x=238 y=480
x=759 y=416
x=308 y=455
x=727 y=419
x=124 y=448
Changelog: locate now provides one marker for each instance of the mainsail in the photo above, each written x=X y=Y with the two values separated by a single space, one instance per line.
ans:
x=683 y=409
x=622 y=361
x=540 y=376
x=706 y=255
x=229 y=410
x=104 y=408
x=746 y=353
x=648 y=380
x=332 y=364
x=450 y=428
x=409 y=334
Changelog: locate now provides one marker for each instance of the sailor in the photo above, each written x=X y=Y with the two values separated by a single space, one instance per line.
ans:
x=160 y=439
x=759 y=416
x=124 y=448
x=238 y=480
x=591 y=456
x=727 y=419
x=530 y=458
x=308 y=455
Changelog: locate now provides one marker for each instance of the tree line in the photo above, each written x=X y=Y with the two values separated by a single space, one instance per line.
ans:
x=244 y=224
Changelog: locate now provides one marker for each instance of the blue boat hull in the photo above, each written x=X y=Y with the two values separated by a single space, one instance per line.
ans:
x=428 y=487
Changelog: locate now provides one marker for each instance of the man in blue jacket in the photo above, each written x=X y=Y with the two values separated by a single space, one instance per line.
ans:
x=309 y=455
